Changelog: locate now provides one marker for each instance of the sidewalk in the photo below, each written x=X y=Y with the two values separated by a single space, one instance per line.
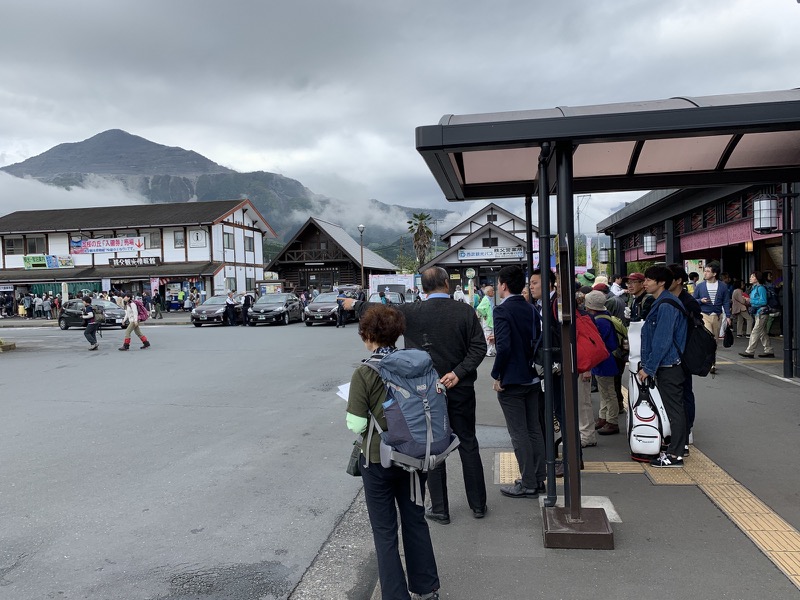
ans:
x=170 y=318
x=725 y=526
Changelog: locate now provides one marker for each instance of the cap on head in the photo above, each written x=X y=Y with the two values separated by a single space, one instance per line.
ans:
x=600 y=287
x=636 y=277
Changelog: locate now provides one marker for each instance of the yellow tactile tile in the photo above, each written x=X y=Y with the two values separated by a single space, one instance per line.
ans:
x=744 y=504
x=789 y=562
x=760 y=522
x=777 y=541
x=661 y=476
x=624 y=467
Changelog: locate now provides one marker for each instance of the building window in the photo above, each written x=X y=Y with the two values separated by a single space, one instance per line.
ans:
x=180 y=239
x=491 y=218
x=15 y=246
x=227 y=241
x=249 y=245
x=489 y=242
x=230 y=284
x=36 y=245
x=152 y=240
x=249 y=284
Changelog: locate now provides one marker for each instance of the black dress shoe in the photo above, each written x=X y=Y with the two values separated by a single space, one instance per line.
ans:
x=519 y=491
x=441 y=518
x=479 y=513
x=767 y=355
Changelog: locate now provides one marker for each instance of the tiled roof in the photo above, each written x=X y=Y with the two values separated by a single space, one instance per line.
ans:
x=135 y=216
x=353 y=247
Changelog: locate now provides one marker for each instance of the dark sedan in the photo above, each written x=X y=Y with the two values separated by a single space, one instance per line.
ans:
x=276 y=308
x=71 y=314
x=322 y=309
x=213 y=310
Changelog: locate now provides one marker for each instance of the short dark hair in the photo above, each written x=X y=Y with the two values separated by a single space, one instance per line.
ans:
x=759 y=277
x=659 y=273
x=87 y=299
x=513 y=277
x=714 y=266
x=382 y=325
x=552 y=277
x=434 y=278
x=694 y=275
x=678 y=272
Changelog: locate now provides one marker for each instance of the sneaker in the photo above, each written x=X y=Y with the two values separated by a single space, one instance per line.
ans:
x=430 y=596
x=93 y=347
x=588 y=444
x=686 y=450
x=713 y=369
x=519 y=491
x=665 y=460
x=747 y=355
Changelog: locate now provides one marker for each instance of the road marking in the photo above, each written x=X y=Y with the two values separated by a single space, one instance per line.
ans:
x=776 y=538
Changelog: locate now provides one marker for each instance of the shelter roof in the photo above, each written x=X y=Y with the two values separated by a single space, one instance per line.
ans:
x=735 y=139
x=134 y=216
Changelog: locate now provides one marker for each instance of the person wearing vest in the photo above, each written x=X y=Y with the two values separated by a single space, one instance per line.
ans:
x=714 y=297
x=387 y=491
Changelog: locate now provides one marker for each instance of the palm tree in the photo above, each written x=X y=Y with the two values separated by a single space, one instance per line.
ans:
x=422 y=234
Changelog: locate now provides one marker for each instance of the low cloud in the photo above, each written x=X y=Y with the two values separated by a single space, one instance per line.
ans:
x=30 y=194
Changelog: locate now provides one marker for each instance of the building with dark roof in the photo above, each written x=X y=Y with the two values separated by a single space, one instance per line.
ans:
x=214 y=246
x=324 y=255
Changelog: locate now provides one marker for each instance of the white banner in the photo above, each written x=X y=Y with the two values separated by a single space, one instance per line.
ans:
x=154 y=281
x=123 y=244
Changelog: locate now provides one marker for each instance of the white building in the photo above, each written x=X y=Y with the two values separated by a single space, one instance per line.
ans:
x=214 y=246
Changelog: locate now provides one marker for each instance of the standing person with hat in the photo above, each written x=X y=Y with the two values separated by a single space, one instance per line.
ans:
x=615 y=305
x=132 y=321
x=608 y=418
x=639 y=301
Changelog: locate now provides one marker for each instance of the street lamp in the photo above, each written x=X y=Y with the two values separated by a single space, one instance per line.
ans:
x=650 y=243
x=602 y=256
x=765 y=213
x=361 y=233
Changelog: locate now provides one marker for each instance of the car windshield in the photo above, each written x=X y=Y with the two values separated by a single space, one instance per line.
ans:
x=326 y=297
x=104 y=304
x=215 y=300
x=392 y=297
x=273 y=299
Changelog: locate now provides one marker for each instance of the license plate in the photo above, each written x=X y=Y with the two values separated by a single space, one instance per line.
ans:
x=111 y=320
x=203 y=317
x=262 y=318
x=319 y=316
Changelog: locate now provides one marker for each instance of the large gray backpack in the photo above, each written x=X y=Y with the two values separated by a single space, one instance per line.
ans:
x=418 y=436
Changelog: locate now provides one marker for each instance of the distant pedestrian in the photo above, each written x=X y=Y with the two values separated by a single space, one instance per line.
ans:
x=230 y=309
x=37 y=306
x=27 y=302
x=341 y=314
x=247 y=303
x=485 y=312
x=90 y=333
x=132 y=322
x=157 y=304
x=47 y=308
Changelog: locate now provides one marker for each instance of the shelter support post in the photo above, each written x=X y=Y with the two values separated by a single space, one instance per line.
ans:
x=619 y=256
x=547 y=319
x=795 y=296
x=788 y=282
x=571 y=526
x=673 y=253
x=529 y=233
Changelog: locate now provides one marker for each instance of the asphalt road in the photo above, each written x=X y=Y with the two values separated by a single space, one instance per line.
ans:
x=208 y=466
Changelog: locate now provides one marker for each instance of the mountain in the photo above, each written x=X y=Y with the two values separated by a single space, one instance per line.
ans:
x=171 y=174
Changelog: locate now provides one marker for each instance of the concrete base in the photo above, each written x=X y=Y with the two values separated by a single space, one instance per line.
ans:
x=591 y=532
x=6 y=346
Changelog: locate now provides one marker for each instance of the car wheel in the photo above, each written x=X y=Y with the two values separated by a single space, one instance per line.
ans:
x=197 y=324
x=62 y=323
x=285 y=318
x=309 y=323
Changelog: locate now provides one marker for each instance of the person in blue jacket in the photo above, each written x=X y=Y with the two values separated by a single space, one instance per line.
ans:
x=604 y=373
x=760 y=312
x=714 y=297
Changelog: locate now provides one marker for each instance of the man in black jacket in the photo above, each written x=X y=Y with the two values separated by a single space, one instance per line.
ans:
x=516 y=329
x=451 y=333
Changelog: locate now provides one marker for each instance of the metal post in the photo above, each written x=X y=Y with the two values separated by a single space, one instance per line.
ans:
x=529 y=233
x=787 y=314
x=795 y=296
x=361 y=232
x=672 y=254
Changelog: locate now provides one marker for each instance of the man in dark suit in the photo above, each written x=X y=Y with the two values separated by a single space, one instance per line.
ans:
x=452 y=334
x=516 y=329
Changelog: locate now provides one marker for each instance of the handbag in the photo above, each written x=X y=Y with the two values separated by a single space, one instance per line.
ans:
x=353 y=467
x=727 y=342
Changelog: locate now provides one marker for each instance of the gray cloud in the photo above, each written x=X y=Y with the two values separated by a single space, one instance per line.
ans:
x=329 y=92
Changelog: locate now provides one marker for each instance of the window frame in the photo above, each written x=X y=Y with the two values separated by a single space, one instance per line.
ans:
x=35 y=238
x=249 y=244
x=228 y=236
x=16 y=250
x=182 y=243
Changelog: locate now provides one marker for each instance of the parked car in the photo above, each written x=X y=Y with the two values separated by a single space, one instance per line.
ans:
x=391 y=297
x=322 y=309
x=276 y=308
x=71 y=314
x=213 y=310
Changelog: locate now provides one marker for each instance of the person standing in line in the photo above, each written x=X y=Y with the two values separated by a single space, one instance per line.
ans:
x=663 y=341
x=485 y=312
x=387 y=491
x=47 y=307
x=451 y=333
x=639 y=301
x=157 y=305
x=606 y=371
x=758 y=308
x=90 y=333
x=740 y=311
x=27 y=302
x=230 y=309
x=714 y=297
x=692 y=307
x=132 y=322
x=516 y=331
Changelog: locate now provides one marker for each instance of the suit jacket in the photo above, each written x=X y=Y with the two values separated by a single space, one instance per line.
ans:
x=516 y=330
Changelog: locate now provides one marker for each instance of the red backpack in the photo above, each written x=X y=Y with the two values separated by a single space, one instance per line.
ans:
x=143 y=313
x=591 y=348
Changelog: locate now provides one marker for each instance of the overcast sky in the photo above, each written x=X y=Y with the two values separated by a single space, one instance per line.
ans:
x=329 y=92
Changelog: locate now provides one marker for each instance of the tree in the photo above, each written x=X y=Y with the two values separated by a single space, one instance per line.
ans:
x=421 y=238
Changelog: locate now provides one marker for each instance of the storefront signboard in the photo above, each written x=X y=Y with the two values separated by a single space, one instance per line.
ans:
x=497 y=252
x=139 y=261
x=96 y=246
x=47 y=261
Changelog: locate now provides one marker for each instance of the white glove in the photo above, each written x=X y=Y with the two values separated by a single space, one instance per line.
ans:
x=627 y=312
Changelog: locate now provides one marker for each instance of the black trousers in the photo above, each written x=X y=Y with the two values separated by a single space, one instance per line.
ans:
x=387 y=492
x=90 y=333
x=520 y=404
x=341 y=317
x=670 y=385
x=461 y=411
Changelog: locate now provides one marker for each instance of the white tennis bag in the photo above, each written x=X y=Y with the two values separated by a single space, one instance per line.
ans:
x=648 y=424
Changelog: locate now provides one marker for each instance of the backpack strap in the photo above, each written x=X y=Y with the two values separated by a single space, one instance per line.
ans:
x=372 y=363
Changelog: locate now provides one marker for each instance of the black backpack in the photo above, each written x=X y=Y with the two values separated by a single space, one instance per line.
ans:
x=700 y=352
x=773 y=302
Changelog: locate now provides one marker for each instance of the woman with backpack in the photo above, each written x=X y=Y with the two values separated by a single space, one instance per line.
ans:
x=760 y=312
x=388 y=490
x=132 y=321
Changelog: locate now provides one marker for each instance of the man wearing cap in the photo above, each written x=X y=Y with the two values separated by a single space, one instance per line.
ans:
x=608 y=421
x=639 y=301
